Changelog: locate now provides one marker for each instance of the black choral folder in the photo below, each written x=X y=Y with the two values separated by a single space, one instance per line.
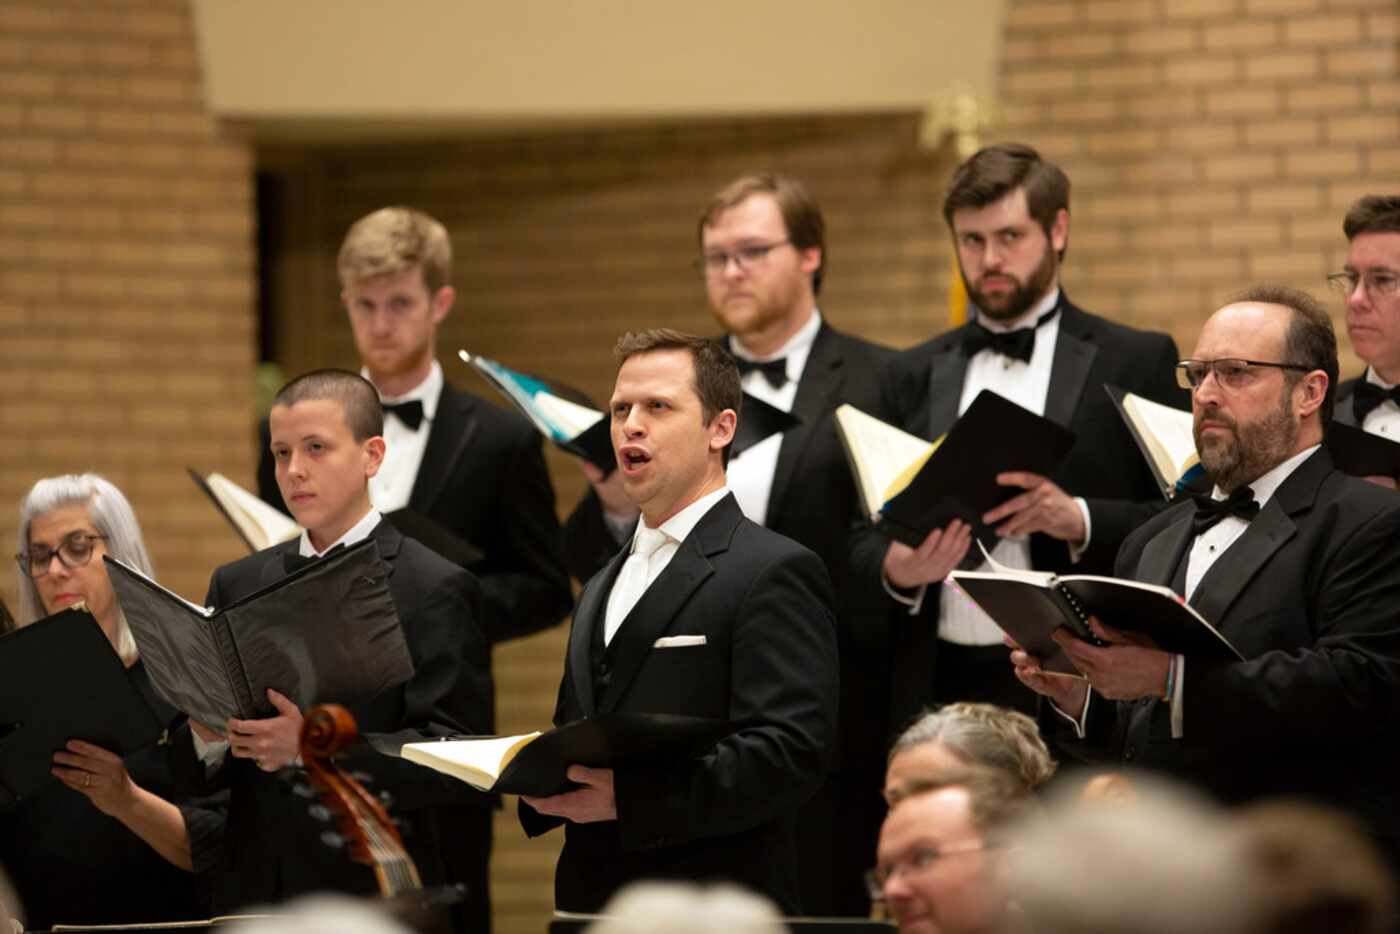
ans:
x=328 y=632
x=959 y=481
x=60 y=679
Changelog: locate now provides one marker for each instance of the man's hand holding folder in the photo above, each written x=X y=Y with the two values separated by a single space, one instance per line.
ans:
x=1044 y=507
x=1129 y=666
x=941 y=551
x=595 y=801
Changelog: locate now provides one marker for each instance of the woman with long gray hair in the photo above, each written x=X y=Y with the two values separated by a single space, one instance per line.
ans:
x=69 y=861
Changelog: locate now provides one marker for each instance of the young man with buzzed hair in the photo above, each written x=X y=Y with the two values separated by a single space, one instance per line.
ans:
x=327 y=445
x=1370 y=285
x=705 y=613
x=1007 y=210
x=475 y=469
x=763 y=257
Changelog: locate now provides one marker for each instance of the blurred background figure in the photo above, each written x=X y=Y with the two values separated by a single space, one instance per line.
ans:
x=682 y=908
x=70 y=861
x=324 y=914
x=970 y=734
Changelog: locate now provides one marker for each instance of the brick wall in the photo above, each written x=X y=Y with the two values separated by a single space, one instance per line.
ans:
x=126 y=271
x=1211 y=143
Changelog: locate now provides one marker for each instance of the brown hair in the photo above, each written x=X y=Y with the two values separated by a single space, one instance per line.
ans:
x=994 y=172
x=1373 y=214
x=803 y=219
x=357 y=397
x=1309 y=341
x=716 y=374
x=391 y=240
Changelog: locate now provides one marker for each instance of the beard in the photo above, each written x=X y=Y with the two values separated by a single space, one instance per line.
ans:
x=1249 y=451
x=1022 y=296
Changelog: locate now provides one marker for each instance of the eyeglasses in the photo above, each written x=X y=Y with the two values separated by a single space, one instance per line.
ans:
x=74 y=552
x=715 y=262
x=1230 y=372
x=918 y=861
x=1380 y=283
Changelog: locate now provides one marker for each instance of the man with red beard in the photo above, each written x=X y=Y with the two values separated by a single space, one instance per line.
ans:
x=1295 y=563
x=1370 y=284
x=1008 y=212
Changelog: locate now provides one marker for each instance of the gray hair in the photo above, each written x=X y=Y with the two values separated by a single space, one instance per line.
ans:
x=984 y=734
x=112 y=516
x=686 y=908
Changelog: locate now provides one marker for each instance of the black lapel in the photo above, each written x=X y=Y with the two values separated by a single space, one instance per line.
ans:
x=448 y=433
x=274 y=568
x=817 y=393
x=1236 y=568
x=947 y=370
x=1163 y=554
x=588 y=615
x=1069 y=372
x=1342 y=410
x=664 y=599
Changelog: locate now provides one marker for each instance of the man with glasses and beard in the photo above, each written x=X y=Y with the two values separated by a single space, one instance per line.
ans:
x=1008 y=212
x=1294 y=562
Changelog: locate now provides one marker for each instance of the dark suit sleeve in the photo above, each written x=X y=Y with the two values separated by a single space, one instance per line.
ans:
x=1112 y=519
x=1343 y=689
x=524 y=584
x=783 y=706
x=588 y=541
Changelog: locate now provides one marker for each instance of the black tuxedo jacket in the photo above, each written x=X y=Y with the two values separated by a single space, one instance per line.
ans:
x=272 y=848
x=768 y=665
x=1310 y=596
x=920 y=393
x=1342 y=410
x=483 y=478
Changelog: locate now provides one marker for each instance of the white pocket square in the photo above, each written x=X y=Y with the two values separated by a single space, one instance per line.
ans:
x=676 y=642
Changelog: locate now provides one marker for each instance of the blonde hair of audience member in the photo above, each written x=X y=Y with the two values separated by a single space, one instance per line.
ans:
x=111 y=516
x=11 y=912
x=393 y=239
x=964 y=734
x=1165 y=862
x=1111 y=787
x=685 y=908
x=323 y=914
x=1321 y=872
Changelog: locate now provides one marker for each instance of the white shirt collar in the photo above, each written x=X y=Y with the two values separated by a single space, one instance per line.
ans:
x=427 y=392
x=1374 y=379
x=1026 y=319
x=802 y=341
x=683 y=523
x=358 y=533
x=1267 y=485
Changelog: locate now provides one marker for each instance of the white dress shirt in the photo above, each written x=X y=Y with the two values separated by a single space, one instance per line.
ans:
x=403 y=447
x=675 y=529
x=212 y=753
x=751 y=474
x=1384 y=420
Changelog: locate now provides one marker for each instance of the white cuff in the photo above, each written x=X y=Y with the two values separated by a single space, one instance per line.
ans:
x=915 y=603
x=211 y=753
x=1178 y=696
x=1079 y=725
x=1077 y=551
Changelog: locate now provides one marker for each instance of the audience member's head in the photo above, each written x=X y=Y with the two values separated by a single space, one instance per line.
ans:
x=66 y=525
x=1320 y=871
x=964 y=734
x=323 y=914
x=11 y=912
x=1160 y=863
x=1008 y=211
x=1370 y=282
x=941 y=847
x=685 y=908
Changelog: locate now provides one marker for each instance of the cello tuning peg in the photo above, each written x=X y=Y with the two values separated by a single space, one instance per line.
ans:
x=320 y=813
x=364 y=778
x=303 y=790
x=335 y=841
x=386 y=799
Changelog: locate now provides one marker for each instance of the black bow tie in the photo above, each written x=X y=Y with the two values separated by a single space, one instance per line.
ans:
x=1017 y=344
x=293 y=562
x=410 y=412
x=1368 y=397
x=1239 y=504
x=774 y=371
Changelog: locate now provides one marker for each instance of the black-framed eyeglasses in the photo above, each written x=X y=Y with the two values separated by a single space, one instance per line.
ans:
x=715 y=262
x=1230 y=372
x=74 y=551
x=918 y=861
x=1379 y=283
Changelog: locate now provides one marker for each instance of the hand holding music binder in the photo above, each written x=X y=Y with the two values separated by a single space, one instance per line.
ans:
x=326 y=632
x=59 y=680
